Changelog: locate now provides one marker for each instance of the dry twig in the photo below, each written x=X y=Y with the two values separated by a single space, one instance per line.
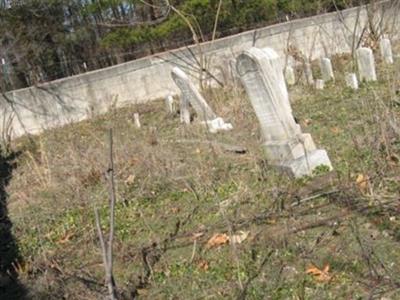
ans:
x=107 y=247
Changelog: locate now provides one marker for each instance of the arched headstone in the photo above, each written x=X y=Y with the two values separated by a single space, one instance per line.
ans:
x=284 y=143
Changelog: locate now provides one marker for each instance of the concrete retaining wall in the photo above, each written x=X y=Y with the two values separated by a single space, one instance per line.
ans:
x=79 y=97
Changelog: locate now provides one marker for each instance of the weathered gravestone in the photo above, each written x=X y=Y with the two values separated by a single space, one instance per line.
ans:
x=366 y=64
x=319 y=84
x=386 y=50
x=136 y=120
x=169 y=104
x=351 y=81
x=290 y=61
x=190 y=94
x=326 y=69
x=284 y=143
x=290 y=75
x=308 y=74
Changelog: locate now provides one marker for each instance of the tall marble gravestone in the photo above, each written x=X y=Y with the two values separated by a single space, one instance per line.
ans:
x=190 y=95
x=366 y=64
x=386 y=50
x=284 y=143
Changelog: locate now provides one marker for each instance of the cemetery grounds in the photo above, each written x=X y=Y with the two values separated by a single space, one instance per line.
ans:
x=197 y=218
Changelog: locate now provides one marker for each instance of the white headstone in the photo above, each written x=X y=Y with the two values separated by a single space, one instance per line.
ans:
x=326 y=69
x=289 y=75
x=319 y=84
x=386 y=50
x=169 y=104
x=351 y=81
x=308 y=74
x=290 y=61
x=284 y=143
x=184 y=111
x=190 y=94
x=366 y=64
x=136 y=120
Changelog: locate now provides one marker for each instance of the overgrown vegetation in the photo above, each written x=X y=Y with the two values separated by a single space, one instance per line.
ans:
x=235 y=16
x=335 y=236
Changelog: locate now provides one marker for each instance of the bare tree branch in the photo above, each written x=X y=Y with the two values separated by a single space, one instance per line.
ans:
x=107 y=248
x=216 y=20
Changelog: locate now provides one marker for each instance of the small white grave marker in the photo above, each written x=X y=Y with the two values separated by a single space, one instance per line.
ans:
x=136 y=119
x=351 y=81
x=290 y=76
x=169 y=104
x=184 y=111
x=290 y=61
x=326 y=69
x=366 y=64
x=319 y=84
x=386 y=50
x=308 y=73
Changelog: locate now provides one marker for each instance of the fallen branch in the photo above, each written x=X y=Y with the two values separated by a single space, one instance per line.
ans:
x=304 y=200
x=227 y=147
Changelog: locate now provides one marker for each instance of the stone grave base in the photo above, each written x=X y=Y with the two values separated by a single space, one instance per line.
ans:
x=299 y=165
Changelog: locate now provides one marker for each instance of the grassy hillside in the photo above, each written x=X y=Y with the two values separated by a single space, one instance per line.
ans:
x=177 y=186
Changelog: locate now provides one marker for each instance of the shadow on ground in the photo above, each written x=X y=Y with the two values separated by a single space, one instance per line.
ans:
x=10 y=288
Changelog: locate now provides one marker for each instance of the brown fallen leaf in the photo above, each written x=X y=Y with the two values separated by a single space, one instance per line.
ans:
x=66 y=238
x=217 y=240
x=175 y=210
x=130 y=179
x=320 y=275
x=362 y=183
x=307 y=122
x=239 y=238
x=133 y=161
x=335 y=130
x=203 y=265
